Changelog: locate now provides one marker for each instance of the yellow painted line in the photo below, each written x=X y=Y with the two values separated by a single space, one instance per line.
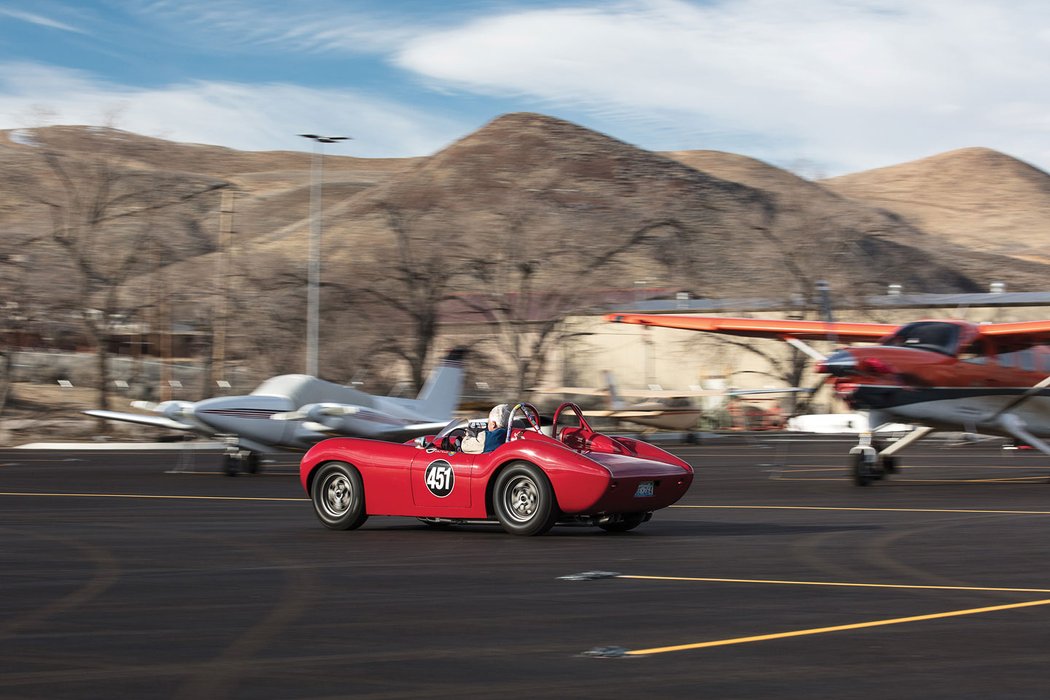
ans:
x=834 y=584
x=874 y=510
x=151 y=496
x=1002 y=480
x=836 y=628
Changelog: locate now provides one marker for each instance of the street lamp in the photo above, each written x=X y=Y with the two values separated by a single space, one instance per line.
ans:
x=313 y=284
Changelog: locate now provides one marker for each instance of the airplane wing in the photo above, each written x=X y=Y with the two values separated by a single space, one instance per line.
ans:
x=627 y=414
x=1026 y=332
x=780 y=329
x=155 y=421
x=579 y=390
x=636 y=393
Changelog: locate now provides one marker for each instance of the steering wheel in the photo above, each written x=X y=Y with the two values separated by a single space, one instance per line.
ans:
x=453 y=441
x=579 y=416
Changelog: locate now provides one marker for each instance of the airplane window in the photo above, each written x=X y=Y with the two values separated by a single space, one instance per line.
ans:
x=1027 y=360
x=1045 y=356
x=927 y=335
x=976 y=353
x=1007 y=359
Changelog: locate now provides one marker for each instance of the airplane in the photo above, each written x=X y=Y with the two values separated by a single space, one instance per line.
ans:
x=938 y=375
x=294 y=411
x=666 y=409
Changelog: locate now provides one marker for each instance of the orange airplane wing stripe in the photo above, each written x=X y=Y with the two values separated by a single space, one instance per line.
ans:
x=762 y=328
x=1018 y=328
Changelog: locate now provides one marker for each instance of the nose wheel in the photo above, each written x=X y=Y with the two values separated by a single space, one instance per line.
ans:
x=236 y=461
x=865 y=468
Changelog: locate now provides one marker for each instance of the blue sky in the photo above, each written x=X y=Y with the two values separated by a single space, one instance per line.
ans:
x=822 y=87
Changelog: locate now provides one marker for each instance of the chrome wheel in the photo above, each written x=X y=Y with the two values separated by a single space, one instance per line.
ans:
x=522 y=498
x=337 y=493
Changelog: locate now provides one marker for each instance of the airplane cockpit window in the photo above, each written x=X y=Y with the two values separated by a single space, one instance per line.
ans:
x=927 y=335
x=976 y=353
x=1021 y=359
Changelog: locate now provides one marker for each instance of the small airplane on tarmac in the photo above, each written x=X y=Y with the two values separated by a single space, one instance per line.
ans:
x=666 y=409
x=940 y=375
x=294 y=411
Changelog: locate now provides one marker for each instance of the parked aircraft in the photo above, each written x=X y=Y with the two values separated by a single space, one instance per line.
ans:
x=938 y=375
x=666 y=409
x=294 y=411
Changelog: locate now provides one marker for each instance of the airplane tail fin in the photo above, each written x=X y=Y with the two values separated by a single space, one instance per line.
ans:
x=441 y=393
x=615 y=401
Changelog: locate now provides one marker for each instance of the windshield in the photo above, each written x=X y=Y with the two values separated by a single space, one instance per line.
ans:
x=927 y=335
x=452 y=425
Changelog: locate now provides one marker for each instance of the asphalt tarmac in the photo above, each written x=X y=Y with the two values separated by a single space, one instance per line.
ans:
x=150 y=575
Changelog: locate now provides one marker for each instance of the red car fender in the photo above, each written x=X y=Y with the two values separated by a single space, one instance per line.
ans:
x=382 y=466
x=577 y=482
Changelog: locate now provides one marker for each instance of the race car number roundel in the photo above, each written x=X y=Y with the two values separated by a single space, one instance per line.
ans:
x=440 y=478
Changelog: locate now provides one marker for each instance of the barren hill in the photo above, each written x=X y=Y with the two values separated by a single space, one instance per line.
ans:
x=975 y=197
x=714 y=232
x=714 y=223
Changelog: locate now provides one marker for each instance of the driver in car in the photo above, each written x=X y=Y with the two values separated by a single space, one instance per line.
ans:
x=495 y=434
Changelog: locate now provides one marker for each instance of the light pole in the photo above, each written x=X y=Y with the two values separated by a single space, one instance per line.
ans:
x=313 y=273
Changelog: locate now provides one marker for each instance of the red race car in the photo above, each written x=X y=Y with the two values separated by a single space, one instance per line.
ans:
x=527 y=484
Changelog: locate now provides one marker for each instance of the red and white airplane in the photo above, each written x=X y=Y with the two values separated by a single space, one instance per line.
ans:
x=938 y=375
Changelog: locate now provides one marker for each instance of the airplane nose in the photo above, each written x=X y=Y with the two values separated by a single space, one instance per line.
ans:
x=840 y=363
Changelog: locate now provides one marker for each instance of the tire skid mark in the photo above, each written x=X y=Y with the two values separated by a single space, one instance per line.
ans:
x=107 y=572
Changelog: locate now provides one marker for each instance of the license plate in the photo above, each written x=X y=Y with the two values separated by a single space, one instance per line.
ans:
x=644 y=489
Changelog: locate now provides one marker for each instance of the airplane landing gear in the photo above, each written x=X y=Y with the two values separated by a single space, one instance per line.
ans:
x=866 y=468
x=871 y=462
x=237 y=460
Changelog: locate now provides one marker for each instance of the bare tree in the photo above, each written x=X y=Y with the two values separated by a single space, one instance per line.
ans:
x=421 y=269
x=525 y=291
x=101 y=218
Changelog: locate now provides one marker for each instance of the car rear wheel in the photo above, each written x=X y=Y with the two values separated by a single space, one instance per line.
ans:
x=627 y=521
x=338 y=496
x=524 y=500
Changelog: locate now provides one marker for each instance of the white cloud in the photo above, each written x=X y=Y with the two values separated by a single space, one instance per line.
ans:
x=853 y=84
x=39 y=20
x=249 y=117
x=317 y=27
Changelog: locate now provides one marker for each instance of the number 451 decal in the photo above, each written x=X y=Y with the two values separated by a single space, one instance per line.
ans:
x=440 y=478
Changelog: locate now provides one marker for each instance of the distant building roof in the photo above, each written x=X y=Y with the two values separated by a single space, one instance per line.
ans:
x=889 y=301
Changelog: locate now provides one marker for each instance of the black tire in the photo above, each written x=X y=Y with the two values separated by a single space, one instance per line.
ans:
x=523 y=500
x=628 y=521
x=338 y=495
x=231 y=466
x=252 y=463
x=889 y=464
x=862 y=469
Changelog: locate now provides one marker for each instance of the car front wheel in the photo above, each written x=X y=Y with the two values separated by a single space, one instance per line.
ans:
x=338 y=495
x=524 y=500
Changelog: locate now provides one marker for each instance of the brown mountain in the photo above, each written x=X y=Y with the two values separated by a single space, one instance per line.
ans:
x=715 y=223
x=731 y=225
x=975 y=197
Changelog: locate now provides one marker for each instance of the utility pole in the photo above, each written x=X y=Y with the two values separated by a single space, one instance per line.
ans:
x=221 y=314
x=313 y=283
